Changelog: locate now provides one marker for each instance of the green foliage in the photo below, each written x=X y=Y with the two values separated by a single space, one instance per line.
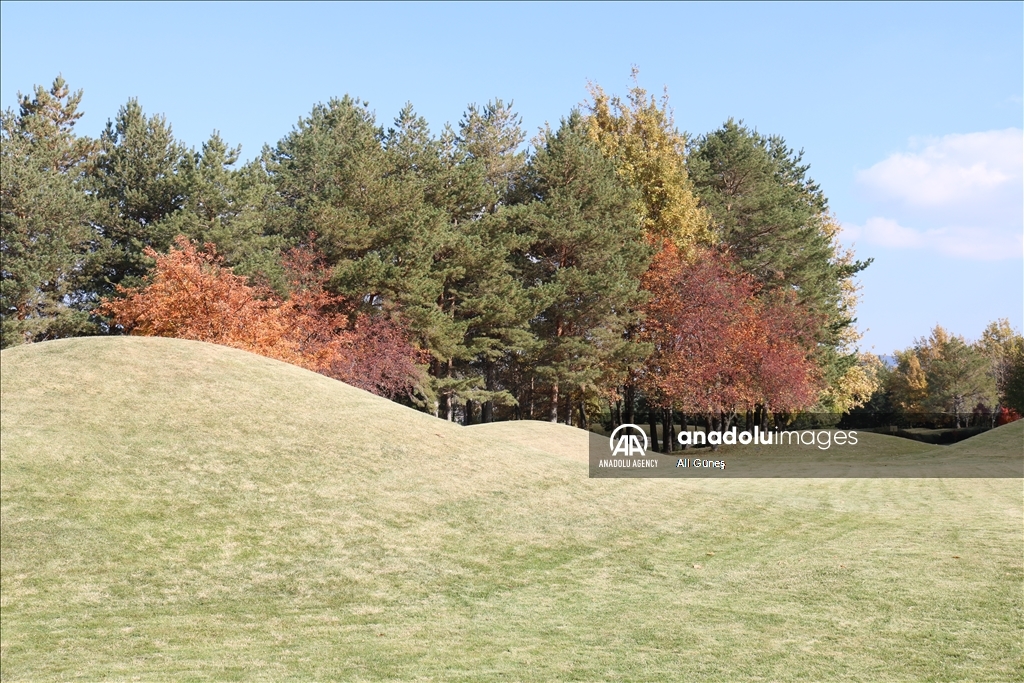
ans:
x=957 y=376
x=1003 y=346
x=363 y=201
x=516 y=271
x=774 y=220
x=1013 y=389
x=585 y=256
x=138 y=181
x=224 y=205
x=491 y=136
x=46 y=240
x=942 y=374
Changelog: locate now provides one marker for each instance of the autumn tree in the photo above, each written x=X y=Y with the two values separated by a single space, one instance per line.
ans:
x=639 y=136
x=193 y=296
x=908 y=384
x=719 y=348
x=649 y=153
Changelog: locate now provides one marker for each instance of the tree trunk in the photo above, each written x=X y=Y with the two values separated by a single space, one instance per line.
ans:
x=670 y=430
x=532 y=394
x=682 y=428
x=712 y=418
x=554 y=403
x=487 y=409
x=652 y=418
x=449 y=400
x=435 y=370
x=628 y=400
x=583 y=415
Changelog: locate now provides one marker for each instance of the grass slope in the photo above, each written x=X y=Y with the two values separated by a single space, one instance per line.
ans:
x=175 y=510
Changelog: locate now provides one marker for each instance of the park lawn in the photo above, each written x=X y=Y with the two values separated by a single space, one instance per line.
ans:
x=177 y=510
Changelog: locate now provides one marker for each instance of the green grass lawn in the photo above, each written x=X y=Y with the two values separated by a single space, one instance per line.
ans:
x=176 y=510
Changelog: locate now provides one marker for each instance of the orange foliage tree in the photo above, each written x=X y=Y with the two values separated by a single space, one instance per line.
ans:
x=717 y=346
x=192 y=295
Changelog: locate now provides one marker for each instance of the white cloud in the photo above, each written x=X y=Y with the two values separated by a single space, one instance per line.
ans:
x=954 y=170
x=975 y=243
x=959 y=195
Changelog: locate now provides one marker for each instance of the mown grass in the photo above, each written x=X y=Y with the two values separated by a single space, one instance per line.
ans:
x=175 y=510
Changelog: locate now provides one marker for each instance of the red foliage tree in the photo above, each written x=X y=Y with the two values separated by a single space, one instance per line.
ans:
x=718 y=347
x=1006 y=416
x=193 y=296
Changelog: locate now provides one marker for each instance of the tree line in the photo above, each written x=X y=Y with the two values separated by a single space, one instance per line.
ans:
x=942 y=379
x=610 y=268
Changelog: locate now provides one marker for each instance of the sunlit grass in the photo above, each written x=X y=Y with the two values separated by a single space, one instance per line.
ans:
x=175 y=510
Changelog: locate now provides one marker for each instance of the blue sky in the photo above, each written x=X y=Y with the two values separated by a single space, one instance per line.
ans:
x=910 y=114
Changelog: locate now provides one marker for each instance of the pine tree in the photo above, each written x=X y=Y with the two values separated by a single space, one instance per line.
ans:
x=46 y=240
x=492 y=136
x=957 y=374
x=774 y=220
x=1003 y=346
x=358 y=196
x=583 y=262
x=224 y=205
x=138 y=180
x=487 y=294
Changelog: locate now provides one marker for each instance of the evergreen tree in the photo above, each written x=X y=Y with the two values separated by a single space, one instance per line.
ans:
x=1003 y=346
x=1012 y=392
x=583 y=262
x=138 y=180
x=942 y=373
x=46 y=241
x=957 y=374
x=224 y=206
x=361 y=194
x=492 y=136
x=774 y=220
x=487 y=294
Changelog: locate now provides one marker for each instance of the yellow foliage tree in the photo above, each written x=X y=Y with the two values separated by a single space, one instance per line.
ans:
x=908 y=383
x=640 y=136
x=855 y=387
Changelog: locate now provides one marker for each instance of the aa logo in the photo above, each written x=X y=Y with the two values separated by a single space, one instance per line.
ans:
x=628 y=443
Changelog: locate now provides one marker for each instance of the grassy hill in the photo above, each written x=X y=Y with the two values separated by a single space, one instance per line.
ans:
x=172 y=510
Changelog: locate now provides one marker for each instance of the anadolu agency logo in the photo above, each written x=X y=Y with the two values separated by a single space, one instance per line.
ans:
x=626 y=449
